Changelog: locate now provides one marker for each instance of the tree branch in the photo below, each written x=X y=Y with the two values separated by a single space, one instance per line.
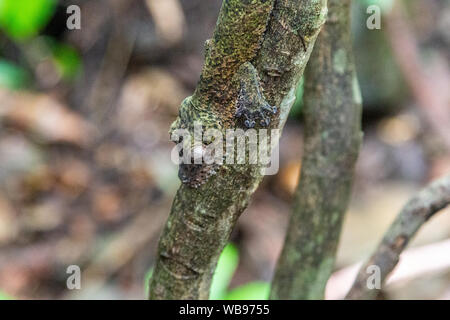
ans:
x=415 y=213
x=202 y=218
x=332 y=142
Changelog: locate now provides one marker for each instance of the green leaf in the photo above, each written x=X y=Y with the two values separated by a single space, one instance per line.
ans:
x=12 y=76
x=225 y=269
x=298 y=104
x=4 y=296
x=67 y=61
x=257 y=290
x=22 y=19
x=147 y=278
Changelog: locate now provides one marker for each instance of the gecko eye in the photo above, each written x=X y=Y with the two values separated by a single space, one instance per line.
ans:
x=249 y=123
x=274 y=109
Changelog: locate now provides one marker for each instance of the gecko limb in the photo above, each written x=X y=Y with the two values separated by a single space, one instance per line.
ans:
x=252 y=109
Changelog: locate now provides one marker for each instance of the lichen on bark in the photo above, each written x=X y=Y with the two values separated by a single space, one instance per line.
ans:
x=202 y=218
x=332 y=115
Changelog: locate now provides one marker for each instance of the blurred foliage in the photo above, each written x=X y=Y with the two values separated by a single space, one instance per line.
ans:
x=226 y=267
x=22 y=21
x=25 y=18
x=379 y=77
x=147 y=278
x=296 y=109
x=66 y=59
x=4 y=296
x=12 y=76
x=385 y=5
x=257 y=290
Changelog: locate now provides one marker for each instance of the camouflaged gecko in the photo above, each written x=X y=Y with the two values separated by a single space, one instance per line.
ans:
x=229 y=93
x=252 y=106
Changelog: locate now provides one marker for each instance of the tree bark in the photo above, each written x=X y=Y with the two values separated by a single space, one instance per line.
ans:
x=202 y=218
x=415 y=213
x=332 y=141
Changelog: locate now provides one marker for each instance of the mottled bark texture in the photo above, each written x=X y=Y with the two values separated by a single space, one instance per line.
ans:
x=416 y=212
x=332 y=141
x=202 y=218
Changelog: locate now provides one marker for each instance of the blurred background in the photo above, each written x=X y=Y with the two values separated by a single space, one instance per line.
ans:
x=85 y=171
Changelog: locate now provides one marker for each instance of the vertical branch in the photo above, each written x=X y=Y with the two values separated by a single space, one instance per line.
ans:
x=202 y=219
x=332 y=142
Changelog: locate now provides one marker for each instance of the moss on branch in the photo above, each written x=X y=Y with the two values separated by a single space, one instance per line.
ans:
x=332 y=140
x=201 y=219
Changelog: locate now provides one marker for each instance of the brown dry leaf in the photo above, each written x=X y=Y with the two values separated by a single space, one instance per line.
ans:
x=288 y=177
x=440 y=166
x=15 y=279
x=107 y=204
x=74 y=176
x=44 y=216
x=45 y=116
x=169 y=19
x=39 y=179
x=399 y=129
x=8 y=222
x=81 y=227
x=145 y=92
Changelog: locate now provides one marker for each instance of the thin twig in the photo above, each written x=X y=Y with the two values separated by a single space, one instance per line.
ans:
x=415 y=263
x=416 y=212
